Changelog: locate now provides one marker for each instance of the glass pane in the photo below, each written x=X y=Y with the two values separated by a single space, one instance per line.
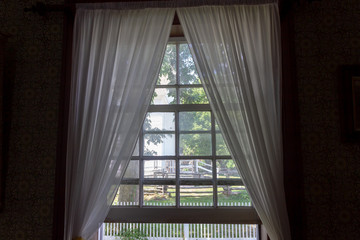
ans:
x=193 y=96
x=217 y=128
x=136 y=149
x=159 y=169
x=167 y=75
x=163 y=96
x=221 y=147
x=157 y=121
x=195 y=144
x=159 y=195
x=132 y=171
x=226 y=169
x=195 y=121
x=159 y=144
x=233 y=196
x=196 y=195
x=195 y=168
x=187 y=70
x=127 y=195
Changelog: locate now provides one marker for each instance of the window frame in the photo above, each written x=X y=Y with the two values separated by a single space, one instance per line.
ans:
x=181 y=214
x=293 y=174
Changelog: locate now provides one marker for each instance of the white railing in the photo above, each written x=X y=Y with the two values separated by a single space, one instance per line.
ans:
x=187 y=204
x=168 y=231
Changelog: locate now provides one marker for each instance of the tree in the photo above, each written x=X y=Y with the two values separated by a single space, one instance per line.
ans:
x=151 y=138
x=190 y=144
x=167 y=75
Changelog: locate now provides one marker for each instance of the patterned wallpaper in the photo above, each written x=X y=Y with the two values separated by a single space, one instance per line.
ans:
x=327 y=34
x=36 y=45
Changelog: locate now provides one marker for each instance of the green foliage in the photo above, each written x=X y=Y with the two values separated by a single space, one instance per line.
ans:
x=167 y=75
x=195 y=144
x=190 y=144
x=132 y=234
x=227 y=164
x=151 y=138
x=221 y=148
x=237 y=196
x=187 y=70
x=230 y=164
x=193 y=96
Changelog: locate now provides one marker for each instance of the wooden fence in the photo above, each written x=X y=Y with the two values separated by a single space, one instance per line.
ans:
x=168 y=231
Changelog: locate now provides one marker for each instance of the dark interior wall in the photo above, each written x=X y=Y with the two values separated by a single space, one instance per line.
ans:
x=327 y=34
x=33 y=66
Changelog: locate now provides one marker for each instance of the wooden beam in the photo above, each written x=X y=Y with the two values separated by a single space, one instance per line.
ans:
x=225 y=215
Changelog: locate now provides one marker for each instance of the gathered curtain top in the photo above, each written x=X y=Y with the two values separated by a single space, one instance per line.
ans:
x=170 y=4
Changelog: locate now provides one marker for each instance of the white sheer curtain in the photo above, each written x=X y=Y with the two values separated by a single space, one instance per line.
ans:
x=116 y=59
x=237 y=53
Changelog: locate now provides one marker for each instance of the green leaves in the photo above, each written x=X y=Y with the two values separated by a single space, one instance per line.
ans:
x=193 y=96
x=195 y=121
x=167 y=74
x=187 y=70
x=132 y=234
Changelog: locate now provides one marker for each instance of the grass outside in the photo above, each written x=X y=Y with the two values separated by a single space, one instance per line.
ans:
x=157 y=195
x=199 y=195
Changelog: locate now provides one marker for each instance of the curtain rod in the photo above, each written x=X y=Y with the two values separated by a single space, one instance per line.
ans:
x=42 y=9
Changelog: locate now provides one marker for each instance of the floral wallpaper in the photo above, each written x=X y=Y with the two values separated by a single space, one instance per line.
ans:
x=327 y=35
x=36 y=45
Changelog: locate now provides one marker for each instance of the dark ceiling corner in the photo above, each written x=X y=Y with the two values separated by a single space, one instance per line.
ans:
x=285 y=6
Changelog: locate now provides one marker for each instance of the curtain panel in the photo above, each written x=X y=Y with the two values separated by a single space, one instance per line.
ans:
x=236 y=50
x=116 y=60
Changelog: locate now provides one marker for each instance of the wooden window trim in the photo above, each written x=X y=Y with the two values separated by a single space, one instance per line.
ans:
x=224 y=215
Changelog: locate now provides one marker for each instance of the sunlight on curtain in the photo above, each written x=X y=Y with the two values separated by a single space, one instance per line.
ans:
x=116 y=59
x=237 y=53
